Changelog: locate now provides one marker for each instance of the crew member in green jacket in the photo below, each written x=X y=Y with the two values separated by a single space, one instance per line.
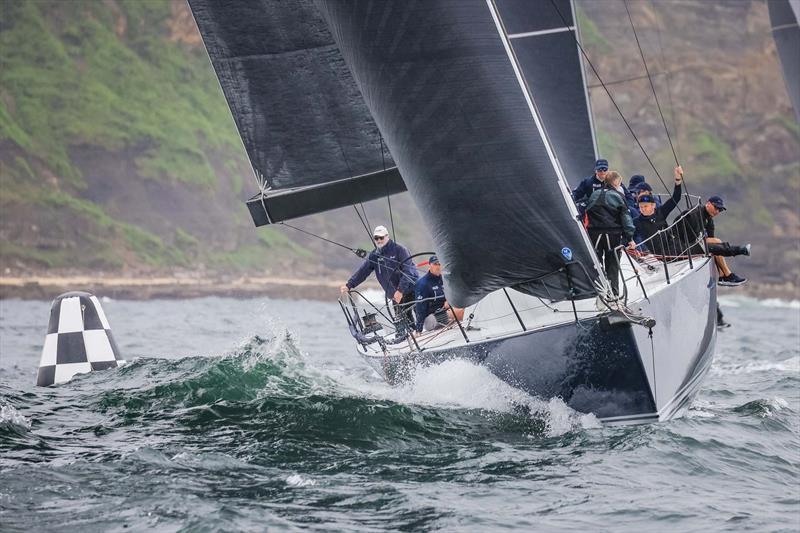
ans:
x=609 y=221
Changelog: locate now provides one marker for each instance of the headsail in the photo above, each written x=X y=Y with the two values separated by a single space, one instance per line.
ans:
x=309 y=136
x=543 y=39
x=443 y=85
x=784 y=16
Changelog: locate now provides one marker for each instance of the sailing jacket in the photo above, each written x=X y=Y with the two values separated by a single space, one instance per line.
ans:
x=646 y=226
x=430 y=297
x=584 y=190
x=608 y=213
x=393 y=267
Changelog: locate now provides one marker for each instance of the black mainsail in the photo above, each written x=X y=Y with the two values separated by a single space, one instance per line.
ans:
x=783 y=16
x=310 y=138
x=481 y=103
x=444 y=87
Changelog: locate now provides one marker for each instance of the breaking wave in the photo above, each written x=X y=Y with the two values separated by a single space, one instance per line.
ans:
x=266 y=389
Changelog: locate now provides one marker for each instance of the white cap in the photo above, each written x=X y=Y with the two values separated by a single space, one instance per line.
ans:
x=381 y=231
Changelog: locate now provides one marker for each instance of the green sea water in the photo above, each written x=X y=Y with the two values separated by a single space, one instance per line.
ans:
x=253 y=415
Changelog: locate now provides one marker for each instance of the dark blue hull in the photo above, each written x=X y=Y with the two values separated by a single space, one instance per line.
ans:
x=620 y=373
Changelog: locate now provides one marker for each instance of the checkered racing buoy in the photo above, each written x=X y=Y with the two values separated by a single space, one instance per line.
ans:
x=78 y=340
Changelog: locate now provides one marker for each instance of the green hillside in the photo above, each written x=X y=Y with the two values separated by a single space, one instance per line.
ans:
x=118 y=152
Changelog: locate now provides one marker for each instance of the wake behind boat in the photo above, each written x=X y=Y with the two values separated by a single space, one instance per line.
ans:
x=480 y=110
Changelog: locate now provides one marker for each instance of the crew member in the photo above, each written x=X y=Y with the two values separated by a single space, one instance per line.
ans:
x=653 y=218
x=609 y=220
x=714 y=206
x=584 y=190
x=395 y=271
x=432 y=309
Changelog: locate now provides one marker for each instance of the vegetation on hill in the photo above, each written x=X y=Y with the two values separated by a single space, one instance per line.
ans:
x=118 y=151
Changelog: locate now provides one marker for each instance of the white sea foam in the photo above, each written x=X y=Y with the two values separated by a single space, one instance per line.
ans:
x=296 y=480
x=790 y=365
x=11 y=417
x=461 y=384
x=772 y=406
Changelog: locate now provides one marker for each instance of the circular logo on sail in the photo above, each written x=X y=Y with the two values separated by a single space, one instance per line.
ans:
x=567 y=253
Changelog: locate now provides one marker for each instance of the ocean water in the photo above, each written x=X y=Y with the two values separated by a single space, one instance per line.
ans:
x=248 y=415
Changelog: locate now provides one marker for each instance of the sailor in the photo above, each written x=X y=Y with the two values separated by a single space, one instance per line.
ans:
x=584 y=190
x=653 y=218
x=645 y=188
x=634 y=182
x=432 y=309
x=714 y=206
x=395 y=271
x=609 y=220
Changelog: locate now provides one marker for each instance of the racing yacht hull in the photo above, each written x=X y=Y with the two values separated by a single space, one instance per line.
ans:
x=621 y=372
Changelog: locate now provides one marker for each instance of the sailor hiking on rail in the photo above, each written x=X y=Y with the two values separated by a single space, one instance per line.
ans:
x=392 y=264
x=716 y=247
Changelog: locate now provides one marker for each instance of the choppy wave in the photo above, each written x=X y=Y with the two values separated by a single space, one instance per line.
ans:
x=763 y=408
x=11 y=420
x=266 y=436
x=744 y=301
x=790 y=366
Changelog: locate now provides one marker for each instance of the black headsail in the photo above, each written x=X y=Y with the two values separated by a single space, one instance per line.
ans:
x=446 y=90
x=542 y=34
x=783 y=16
x=309 y=136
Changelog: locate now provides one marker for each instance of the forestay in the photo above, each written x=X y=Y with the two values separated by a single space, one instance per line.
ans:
x=784 y=15
x=442 y=83
x=310 y=138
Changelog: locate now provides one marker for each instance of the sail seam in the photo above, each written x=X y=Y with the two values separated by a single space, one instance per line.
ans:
x=539 y=32
x=785 y=26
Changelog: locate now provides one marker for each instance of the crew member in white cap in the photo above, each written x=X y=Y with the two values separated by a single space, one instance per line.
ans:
x=395 y=271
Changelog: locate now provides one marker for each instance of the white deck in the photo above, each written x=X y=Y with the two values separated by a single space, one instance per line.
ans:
x=493 y=317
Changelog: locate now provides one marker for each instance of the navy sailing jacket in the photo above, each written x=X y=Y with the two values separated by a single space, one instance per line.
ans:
x=584 y=190
x=393 y=267
x=430 y=297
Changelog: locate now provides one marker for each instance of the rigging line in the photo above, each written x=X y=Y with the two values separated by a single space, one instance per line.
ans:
x=301 y=230
x=364 y=225
x=650 y=79
x=668 y=73
x=357 y=251
x=610 y=97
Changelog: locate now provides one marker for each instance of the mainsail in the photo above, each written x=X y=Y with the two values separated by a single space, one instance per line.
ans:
x=783 y=16
x=481 y=103
x=441 y=81
x=310 y=138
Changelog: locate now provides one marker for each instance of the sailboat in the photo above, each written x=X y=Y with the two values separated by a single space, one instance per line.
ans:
x=783 y=16
x=479 y=110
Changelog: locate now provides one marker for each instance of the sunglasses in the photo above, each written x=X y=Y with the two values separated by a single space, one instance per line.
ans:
x=602 y=170
x=378 y=238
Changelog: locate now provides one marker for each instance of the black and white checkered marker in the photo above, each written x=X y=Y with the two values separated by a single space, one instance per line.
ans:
x=78 y=340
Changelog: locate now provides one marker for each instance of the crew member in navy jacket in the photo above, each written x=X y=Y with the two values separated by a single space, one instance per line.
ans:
x=432 y=308
x=584 y=190
x=394 y=269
